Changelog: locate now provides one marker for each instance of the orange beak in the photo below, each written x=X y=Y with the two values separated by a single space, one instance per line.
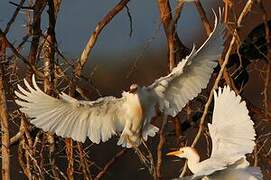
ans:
x=174 y=153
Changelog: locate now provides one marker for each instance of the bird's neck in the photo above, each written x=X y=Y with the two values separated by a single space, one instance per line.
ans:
x=193 y=160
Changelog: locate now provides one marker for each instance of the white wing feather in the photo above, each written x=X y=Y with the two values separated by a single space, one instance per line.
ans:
x=69 y=117
x=191 y=75
x=231 y=131
x=248 y=173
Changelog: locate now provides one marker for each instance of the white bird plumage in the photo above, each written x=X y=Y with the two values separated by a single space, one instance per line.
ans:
x=131 y=114
x=233 y=136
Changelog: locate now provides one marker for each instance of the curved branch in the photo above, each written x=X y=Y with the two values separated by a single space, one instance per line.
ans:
x=94 y=36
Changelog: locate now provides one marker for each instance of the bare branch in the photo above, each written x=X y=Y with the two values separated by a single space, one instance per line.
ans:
x=94 y=36
x=12 y=20
x=110 y=163
x=36 y=33
x=83 y=162
x=20 y=6
x=203 y=17
x=16 y=53
x=130 y=20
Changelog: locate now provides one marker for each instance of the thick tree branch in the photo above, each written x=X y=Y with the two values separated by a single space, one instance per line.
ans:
x=49 y=71
x=203 y=17
x=36 y=34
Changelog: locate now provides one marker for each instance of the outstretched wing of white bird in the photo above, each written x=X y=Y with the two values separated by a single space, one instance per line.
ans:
x=69 y=117
x=231 y=131
x=191 y=75
x=239 y=170
x=250 y=173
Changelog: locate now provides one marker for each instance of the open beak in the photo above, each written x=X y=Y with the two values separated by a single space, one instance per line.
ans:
x=174 y=153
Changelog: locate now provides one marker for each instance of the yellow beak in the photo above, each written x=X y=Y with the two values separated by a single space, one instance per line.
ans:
x=174 y=153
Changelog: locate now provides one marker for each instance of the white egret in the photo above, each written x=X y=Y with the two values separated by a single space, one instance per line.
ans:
x=131 y=114
x=233 y=137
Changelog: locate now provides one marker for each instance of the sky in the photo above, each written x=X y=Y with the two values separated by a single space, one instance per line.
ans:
x=77 y=19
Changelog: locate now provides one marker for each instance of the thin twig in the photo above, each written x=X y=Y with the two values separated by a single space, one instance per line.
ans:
x=20 y=6
x=110 y=163
x=83 y=162
x=160 y=147
x=130 y=20
x=16 y=53
x=16 y=12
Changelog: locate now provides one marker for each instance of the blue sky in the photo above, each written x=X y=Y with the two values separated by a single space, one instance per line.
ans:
x=77 y=19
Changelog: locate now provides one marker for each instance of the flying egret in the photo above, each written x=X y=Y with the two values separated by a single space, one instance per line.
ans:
x=131 y=114
x=233 y=137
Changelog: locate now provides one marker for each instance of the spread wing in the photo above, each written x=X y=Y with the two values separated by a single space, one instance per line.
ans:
x=253 y=173
x=191 y=75
x=69 y=117
x=231 y=131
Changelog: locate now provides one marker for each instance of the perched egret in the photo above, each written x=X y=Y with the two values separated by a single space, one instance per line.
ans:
x=233 y=137
x=131 y=114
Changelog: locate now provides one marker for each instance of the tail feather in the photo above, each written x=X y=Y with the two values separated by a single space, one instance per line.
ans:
x=150 y=130
x=128 y=139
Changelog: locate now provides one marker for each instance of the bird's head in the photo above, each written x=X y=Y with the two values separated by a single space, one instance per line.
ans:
x=183 y=152
x=133 y=88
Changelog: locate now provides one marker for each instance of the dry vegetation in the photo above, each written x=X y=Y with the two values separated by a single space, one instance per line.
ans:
x=42 y=155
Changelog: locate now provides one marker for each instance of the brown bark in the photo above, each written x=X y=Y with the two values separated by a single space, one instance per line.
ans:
x=203 y=17
x=83 y=162
x=69 y=153
x=4 y=114
x=175 y=47
x=36 y=34
x=49 y=64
